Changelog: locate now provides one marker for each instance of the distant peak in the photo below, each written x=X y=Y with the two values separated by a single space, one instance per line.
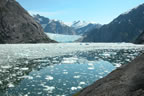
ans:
x=79 y=24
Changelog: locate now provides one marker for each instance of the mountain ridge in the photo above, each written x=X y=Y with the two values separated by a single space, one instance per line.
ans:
x=54 y=26
x=59 y=27
x=124 y=28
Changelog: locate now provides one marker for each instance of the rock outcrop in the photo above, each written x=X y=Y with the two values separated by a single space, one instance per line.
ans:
x=127 y=80
x=125 y=28
x=17 y=26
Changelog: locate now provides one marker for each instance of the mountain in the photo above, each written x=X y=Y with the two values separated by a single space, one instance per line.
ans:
x=58 y=27
x=53 y=26
x=84 y=30
x=83 y=27
x=79 y=24
x=17 y=26
x=127 y=80
x=124 y=28
x=140 y=39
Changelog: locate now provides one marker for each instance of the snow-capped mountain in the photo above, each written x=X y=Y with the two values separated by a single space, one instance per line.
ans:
x=59 y=27
x=83 y=27
x=79 y=24
x=54 y=26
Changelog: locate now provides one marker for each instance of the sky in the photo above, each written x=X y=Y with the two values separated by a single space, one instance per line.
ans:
x=98 y=11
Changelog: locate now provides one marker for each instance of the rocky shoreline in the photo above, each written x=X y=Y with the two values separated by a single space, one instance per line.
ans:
x=127 y=80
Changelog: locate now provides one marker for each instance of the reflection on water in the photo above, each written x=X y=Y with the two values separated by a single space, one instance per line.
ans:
x=61 y=79
x=60 y=75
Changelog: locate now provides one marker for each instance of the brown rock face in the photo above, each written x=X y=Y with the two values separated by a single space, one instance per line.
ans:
x=17 y=26
x=125 y=81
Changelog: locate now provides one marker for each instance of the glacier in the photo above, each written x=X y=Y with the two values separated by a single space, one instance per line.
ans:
x=63 y=38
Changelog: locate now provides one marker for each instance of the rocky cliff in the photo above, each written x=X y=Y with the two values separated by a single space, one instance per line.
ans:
x=127 y=80
x=17 y=26
x=125 y=28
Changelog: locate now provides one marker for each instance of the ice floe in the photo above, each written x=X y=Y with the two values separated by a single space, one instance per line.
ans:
x=49 y=77
x=11 y=85
x=82 y=83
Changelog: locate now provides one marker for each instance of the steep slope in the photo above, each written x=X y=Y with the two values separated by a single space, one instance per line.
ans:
x=125 y=81
x=125 y=28
x=17 y=26
x=140 y=39
x=53 y=26
x=84 y=30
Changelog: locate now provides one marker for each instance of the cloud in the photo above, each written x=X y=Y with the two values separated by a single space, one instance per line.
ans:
x=46 y=14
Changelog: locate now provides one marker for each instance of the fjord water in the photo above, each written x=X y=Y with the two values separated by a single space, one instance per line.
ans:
x=59 y=69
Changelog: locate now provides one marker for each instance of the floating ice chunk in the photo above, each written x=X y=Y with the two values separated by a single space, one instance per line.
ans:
x=24 y=69
x=69 y=60
x=11 y=85
x=16 y=68
x=26 y=62
x=73 y=88
x=79 y=87
x=1 y=82
x=117 y=65
x=65 y=72
x=49 y=77
x=128 y=60
x=28 y=77
x=64 y=84
x=39 y=93
x=14 y=75
x=25 y=89
x=38 y=76
x=106 y=71
x=82 y=83
x=100 y=76
x=76 y=76
x=49 y=88
x=6 y=67
x=91 y=68
x=90 y=64
x=106 y=55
